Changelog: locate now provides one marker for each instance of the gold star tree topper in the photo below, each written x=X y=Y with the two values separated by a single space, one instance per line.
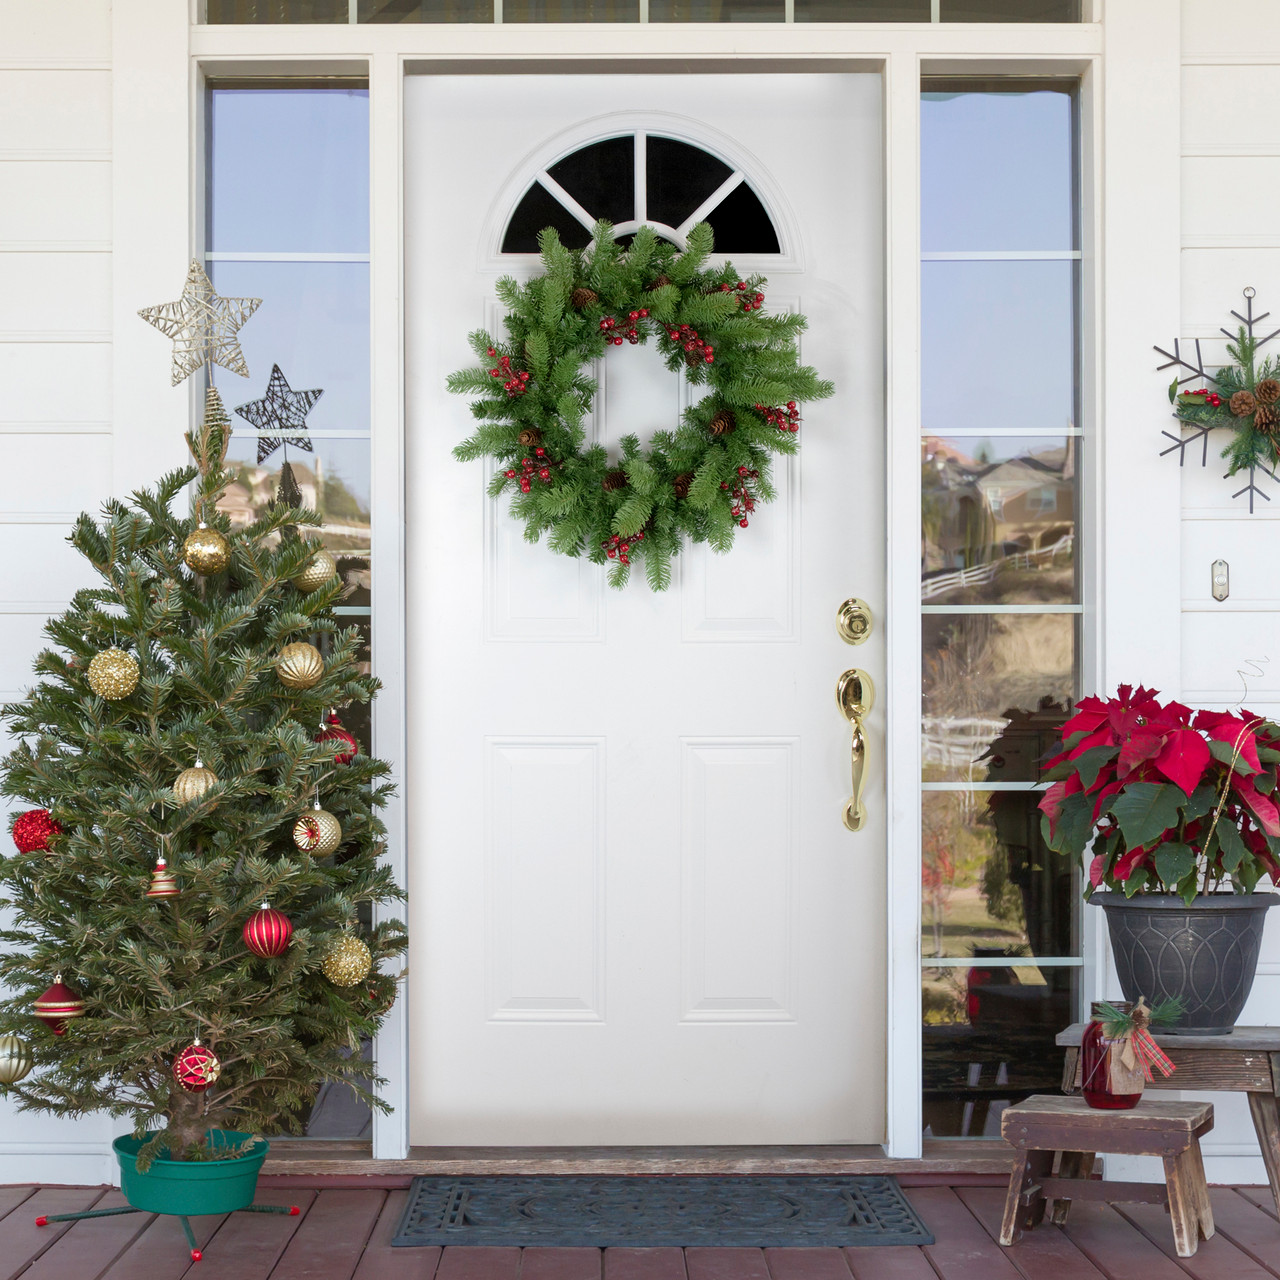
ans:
x=203 y=326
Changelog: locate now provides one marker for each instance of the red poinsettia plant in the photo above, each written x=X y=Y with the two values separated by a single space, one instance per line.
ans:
x=1171 y=800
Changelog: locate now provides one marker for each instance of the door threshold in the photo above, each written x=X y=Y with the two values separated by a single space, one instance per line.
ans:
x=941 y=1157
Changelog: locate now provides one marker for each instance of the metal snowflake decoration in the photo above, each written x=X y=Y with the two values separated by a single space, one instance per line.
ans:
x=280 y=409
x=203 y=326
x=1198 y=432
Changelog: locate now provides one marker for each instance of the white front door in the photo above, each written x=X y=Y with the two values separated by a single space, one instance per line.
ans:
x=636 y=916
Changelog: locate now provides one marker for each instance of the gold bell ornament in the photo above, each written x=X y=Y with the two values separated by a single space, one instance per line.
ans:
x=206 y=551
x=320 y=570
x=192 y=783
x=113 y=674
x=317 y=832
x=347 y=961
x=299 y=665
x=16 y=1059
x=164 y=884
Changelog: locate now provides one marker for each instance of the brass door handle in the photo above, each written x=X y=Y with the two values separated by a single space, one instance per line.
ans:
x=855 y=696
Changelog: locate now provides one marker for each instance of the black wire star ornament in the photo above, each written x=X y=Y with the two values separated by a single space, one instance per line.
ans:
x=280 y=409
x=203 y=325
x=1198 y=432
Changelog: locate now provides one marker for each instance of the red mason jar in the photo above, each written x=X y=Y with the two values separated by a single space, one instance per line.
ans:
x=1095 y=1064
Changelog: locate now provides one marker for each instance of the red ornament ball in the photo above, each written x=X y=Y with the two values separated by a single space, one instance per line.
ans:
x=58 y=1004
x=334 y=732
x=33 y=830
x=267 y=932
x=196 y=1067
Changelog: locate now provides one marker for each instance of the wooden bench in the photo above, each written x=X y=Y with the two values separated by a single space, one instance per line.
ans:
x=1246 y=1061
x=1044 y=1126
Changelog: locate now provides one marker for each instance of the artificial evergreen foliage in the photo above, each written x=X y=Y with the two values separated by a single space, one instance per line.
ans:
x=155 y=973
x=696 y=482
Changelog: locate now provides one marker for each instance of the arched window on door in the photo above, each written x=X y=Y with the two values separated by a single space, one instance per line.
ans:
x=641 y=178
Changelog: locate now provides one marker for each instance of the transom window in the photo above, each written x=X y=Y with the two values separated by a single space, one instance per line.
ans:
x=640 y=178
x=350 y=11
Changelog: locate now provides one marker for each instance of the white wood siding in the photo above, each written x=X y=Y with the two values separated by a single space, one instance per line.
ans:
x=55 y=385
x=1230 y=239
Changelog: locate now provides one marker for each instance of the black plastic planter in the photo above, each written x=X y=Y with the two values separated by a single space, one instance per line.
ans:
x=1205 y=953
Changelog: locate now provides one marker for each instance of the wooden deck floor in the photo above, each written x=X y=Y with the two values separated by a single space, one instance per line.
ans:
x=343 y=1234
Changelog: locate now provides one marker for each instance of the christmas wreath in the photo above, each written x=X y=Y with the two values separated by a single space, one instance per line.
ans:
x=701 y=481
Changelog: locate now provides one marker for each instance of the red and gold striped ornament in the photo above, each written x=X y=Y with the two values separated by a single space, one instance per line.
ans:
x=332 y=731
x=58 y=1006
x=196 y=1067
x=164 y=884
x=267 y=932
x=33 y=830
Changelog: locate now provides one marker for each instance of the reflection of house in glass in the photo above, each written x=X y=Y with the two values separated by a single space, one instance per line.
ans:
x=346 y=515
x=993 y=524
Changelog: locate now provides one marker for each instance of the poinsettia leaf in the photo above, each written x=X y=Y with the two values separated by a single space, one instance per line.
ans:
x=1145 y=811
x=1184 y=758
x=1226 y=753
x=1174 y=861
x=1241 y=739
x=1074 y=825
x=1139 y=746
x=1200 y=802
x=1264 y=811
x=1232 y=844
x=1090 y=763
x=1063 y=769
x=1269 y=754
x=1136 y=881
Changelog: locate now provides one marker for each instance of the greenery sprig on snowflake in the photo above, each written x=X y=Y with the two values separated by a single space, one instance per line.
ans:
x=1243 y=396
x=700 y=481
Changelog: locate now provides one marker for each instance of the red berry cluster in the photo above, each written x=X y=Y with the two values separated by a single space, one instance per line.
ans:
x=609 y=327
x=752 y=302
x=787 y=419
x=515 y=382
x=619 y=547
x=695 y=348
x=531 y=469
x=1210 y=397
x=743 y=499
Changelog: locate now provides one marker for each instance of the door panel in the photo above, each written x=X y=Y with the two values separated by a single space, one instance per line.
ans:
x=636 y=915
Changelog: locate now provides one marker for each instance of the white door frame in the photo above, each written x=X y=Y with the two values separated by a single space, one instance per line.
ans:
x=1131 y=246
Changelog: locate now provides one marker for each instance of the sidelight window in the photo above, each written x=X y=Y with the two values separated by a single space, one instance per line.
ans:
x=1000 y=588
x=287 y=221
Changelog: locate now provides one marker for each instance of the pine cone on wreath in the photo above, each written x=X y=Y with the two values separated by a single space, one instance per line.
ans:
x=530 y=438
x=582 y=298
x=1264 y=419
x=681 y=484
x=660 y=283
x=1242 y=404
x=723 y=423
x=1267 y=391
x=616 y=479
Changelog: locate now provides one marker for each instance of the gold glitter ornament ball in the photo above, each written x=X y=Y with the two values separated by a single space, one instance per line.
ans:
x=317 y=832
x=320 y=570
x=300 y=665
x=113 y=674
x=347 y=961
x=16 y=1059
x=206 y=551
x=192 y=783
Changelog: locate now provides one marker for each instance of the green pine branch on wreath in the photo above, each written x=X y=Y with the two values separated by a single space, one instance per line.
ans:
x=700 y=481
x=171 y=747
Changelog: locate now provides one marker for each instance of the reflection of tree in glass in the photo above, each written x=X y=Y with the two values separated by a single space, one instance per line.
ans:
x=340 y=503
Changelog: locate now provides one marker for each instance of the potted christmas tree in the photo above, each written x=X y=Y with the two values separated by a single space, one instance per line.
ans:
x=192 y=944
x=1179 y=810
